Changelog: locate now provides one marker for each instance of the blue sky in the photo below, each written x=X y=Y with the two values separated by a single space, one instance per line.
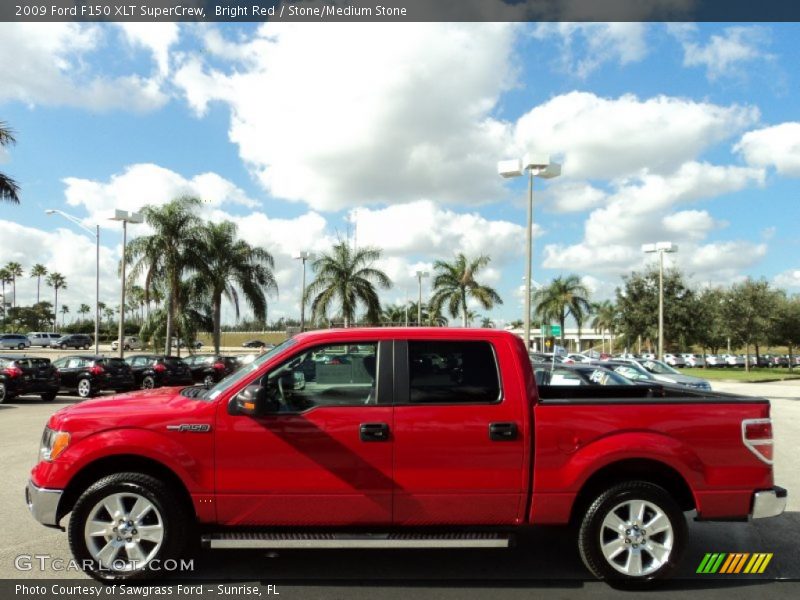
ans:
x=303 y=133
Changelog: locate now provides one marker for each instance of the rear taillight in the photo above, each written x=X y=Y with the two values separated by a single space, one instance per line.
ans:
x=159 y=368
x=96 y=370
x=13 y=372
x=219 y=366
x=757 y=436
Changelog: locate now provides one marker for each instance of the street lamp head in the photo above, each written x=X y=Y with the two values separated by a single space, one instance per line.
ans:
x=666 y=247
x=129 y=217
x=509 y=168
x=534 y=160
x=422 y=274
x=550 y=171
x=304 y=255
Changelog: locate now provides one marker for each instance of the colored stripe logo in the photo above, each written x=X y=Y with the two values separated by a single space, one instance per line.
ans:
x=734 y=563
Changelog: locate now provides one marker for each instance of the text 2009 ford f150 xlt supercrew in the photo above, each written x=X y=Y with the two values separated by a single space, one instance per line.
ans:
x=399 y=438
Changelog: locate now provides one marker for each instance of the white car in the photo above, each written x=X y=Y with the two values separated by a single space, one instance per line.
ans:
x=674 y=360
x=580 y=358
x=694 y=360
x=131 y=342
x=44 y=339
x=732 y=360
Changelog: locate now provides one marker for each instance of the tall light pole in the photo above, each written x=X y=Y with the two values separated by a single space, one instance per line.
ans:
x=537 y=166
x=96 y=234
x=303 y=256
x=420 y=275
x=134 y=218
x=661 y=248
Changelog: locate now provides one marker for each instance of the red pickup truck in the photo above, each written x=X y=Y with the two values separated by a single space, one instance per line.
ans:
x=399 y=438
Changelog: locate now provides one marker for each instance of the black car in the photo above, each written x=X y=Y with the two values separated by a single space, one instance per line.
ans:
x=75 y=340
x=156 y=370
x=210 y=368
x=88 y=375
x=29 y=375
x=254 y=344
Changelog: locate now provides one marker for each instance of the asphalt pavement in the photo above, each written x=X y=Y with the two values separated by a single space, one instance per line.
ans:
x=544 y=562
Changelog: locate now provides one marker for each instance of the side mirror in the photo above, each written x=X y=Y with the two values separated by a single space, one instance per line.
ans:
x=253 y=401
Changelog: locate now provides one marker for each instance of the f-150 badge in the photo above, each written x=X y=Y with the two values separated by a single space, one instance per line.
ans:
x=191 y=427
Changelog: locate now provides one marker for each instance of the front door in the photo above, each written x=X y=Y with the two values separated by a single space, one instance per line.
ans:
x=459 y=440
x=324 y=457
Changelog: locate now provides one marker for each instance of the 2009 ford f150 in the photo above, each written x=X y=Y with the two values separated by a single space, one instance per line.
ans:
x=399 y=438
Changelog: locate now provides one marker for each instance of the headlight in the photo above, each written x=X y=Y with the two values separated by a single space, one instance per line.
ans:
x=53 y=444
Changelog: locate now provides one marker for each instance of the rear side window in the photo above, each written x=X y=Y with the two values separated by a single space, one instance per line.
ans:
x=452 y=373
x=113 y=362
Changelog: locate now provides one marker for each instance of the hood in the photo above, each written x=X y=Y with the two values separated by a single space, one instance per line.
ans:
x=681 y=379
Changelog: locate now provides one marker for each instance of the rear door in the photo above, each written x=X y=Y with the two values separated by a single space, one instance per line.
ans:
x=458 y=433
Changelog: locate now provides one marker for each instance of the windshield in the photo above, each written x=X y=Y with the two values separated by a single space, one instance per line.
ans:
x=658 y=367
x=244 y=371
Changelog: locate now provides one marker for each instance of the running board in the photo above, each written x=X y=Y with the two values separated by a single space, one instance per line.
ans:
x=354 y=540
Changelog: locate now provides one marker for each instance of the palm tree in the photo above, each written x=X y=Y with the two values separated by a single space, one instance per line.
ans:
x=9 y=190
x=170 y=251
x=487 y=323
x=136 y=301
x=345 y=277
x=83 y=310
x=58 y=282
x=231 y=266
x=38 y=271
x=64 y=312
x=435 y=318
x=394 y=314
x=5 y=277
x=195 y=314
x=455 y=282
x=605 y=319
x=564 y=296
x=108 y=313
x=14 y=270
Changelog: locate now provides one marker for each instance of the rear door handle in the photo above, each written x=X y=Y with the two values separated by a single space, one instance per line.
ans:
x=502 y=432
x=374 y=432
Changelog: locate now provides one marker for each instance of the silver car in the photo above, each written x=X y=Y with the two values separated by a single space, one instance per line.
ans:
x=14 y=340
x=694 y=360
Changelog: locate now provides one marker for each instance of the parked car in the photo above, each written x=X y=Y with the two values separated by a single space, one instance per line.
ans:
x=246 y=359
x=631 y=370
x=75 y=340
x=665 y=373
x=132 y=342
x=208 y=369
x=694 y=360
x=675 y=360
x=715 y=360
x=177 y=343
x=9 y=341
x=579 y=358
x=416 y=457
x=43 y=338
x=27 y=375
x=253 y=344
x=156 y=370
x=89 y=375
x=576 y=374
x=733 y=360
x=756 y=361
x=776 y=360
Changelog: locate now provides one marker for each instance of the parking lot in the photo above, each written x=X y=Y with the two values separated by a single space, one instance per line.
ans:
x=545 y=558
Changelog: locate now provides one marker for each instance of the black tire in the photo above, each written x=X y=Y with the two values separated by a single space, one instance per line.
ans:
x=86 y=346
x=4 y=395
x=167 y=513
x=62 y=346
x=148 y=382
x=21 y=347
x=85 y=388
x=126 y=347
x=593 y=534
x=49 y=396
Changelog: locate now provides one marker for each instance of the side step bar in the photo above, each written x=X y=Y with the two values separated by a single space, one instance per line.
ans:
x=277 y=541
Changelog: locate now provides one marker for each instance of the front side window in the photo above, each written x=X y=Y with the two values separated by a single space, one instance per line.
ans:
x=452 y=373
x=330 y=375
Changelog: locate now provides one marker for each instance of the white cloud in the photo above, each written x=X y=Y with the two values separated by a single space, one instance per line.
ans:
x=347 y=115
x=573 y=196
x=608 y=138
x=723 y=55
x=723 y=260
x=777 y=146
x=694 y=224
x=157 y=38
x=787 y=279
x=586 y=47
x=50 y=66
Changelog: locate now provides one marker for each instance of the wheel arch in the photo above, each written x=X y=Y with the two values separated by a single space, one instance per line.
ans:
x=120 y=463
x=636 y=469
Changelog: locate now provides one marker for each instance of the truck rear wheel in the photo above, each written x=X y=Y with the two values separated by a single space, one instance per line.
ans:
x=124 y=525
x=632 y=533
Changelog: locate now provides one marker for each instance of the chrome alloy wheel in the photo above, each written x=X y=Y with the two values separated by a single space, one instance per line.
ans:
x=636 y=538
x=84 y=388
x=124 y=532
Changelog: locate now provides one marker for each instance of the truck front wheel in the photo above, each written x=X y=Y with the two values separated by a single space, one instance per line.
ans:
x=633 y=532
x=125 y=526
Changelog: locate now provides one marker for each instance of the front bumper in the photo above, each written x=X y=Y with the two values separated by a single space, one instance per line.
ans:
x=769 y=503
x=43 y=503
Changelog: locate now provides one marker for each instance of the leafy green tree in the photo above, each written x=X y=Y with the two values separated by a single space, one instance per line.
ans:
x=455 y=282
x=517 y=324
x=30 y=318
x=637 y=307
x=785 y=327
x=64 y=313
x=5 y=277
x=14 y=270
x=605 y=319
x=748 y=310
x=194 y=316
x=345 y=278
x=487 y=323
x=564 y=297
x=58 y=282
x=710 y=328
x=9 y=190
x=164 y=256
x=231 y=267
x=38 y=271
x=395 y=314
x=83 y=310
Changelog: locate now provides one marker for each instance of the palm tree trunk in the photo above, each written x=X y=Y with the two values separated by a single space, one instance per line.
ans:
x=55 y=307
x=14 y=297
x=217 y=307
x=464 y=305
x=38 y=283
x=168 y=341
x=561 y=322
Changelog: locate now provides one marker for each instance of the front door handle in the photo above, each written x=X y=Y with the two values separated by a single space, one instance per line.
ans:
x=502 y=432
x=374 y=432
